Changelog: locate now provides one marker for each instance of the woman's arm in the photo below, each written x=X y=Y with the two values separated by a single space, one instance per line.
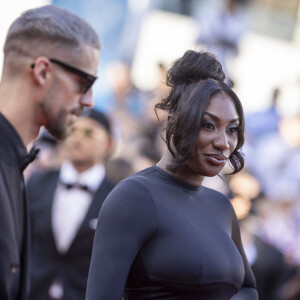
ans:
x=248 y=290
x=126 y=220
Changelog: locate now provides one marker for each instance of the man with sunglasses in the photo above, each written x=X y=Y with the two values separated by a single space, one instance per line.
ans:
x=64 y=207
x=50 y=63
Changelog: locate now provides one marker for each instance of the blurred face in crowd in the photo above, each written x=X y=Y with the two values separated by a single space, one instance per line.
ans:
x=217 y=138
x=88 y=143
x=70 y=92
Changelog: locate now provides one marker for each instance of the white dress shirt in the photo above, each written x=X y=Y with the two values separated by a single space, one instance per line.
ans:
x=71 y=205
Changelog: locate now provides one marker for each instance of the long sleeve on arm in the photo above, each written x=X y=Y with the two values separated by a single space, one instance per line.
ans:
x=248 y=290
x=126 y=220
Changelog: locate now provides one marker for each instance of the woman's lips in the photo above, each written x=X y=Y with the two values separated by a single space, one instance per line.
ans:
x=216 y=159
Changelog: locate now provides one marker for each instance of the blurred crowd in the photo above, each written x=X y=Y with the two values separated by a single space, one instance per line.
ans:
x=265 y=195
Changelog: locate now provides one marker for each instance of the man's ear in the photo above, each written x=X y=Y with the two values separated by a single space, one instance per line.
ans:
x=41 y=69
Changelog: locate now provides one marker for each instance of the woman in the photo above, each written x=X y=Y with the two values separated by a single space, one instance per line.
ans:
x=161 y=234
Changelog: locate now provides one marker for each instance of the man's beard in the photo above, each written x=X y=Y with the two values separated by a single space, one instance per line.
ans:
x=56 y=123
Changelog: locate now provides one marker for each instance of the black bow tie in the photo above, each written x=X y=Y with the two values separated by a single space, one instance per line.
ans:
x=82 y=187
x=30 y=157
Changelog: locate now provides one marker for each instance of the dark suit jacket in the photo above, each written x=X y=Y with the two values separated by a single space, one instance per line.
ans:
x=13 y=215
x=270 y=270
x=47 y=263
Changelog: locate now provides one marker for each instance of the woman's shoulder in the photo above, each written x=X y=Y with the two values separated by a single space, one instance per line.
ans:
x=212 y=191
x=217 y=202
x=141 y=178
x=133 y=196
x=135 y=185
x=216 y=195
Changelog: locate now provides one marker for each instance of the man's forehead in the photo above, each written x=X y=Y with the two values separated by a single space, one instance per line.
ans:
x=89 y=59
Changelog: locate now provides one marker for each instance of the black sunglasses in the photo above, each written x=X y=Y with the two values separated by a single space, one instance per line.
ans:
x=87 y=79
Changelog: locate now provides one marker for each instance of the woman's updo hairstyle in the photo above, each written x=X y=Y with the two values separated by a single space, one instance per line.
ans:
x=193 y=79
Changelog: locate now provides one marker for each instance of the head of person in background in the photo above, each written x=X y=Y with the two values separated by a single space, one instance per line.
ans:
x=89 y=141
x=205 y=127
x=50 y=64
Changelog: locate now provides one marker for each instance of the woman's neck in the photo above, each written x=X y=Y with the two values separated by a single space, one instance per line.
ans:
x=185 y=174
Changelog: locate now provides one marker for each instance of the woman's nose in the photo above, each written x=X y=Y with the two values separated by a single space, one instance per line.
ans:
x=221 y=141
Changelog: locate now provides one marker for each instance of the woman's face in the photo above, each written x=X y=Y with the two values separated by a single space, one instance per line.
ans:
x=217 y=138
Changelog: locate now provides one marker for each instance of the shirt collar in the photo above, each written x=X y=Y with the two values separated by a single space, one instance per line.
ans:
x=92 y=177
x=14 y=141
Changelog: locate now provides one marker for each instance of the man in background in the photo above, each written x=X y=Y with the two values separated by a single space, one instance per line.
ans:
x=50 y=63
x=64 y=207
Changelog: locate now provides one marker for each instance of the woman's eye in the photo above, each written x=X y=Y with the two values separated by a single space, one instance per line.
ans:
x=232 y=130
x=209 y=126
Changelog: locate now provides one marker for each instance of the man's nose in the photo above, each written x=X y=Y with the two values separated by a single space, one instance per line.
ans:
x=87 y=99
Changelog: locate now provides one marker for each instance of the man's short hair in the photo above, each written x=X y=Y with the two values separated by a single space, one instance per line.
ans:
x=47 y=28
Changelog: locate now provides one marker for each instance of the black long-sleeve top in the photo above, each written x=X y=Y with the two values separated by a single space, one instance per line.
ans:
x=160 y=238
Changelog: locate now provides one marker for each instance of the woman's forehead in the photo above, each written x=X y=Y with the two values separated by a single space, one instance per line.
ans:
x=221 y=105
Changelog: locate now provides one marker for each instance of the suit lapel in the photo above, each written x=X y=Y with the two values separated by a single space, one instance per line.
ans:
x=15 y=200
x=14 y=184
x=50 y=189
x=92 y=213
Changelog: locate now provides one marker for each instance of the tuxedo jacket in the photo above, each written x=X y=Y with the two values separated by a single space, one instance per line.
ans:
x=13 y=215
x=46 y=262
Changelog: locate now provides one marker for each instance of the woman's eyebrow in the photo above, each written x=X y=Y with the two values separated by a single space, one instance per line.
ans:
x=217 y=118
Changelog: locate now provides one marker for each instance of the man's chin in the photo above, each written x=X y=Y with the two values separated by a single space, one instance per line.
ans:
x=60 y=134
x=65 y=132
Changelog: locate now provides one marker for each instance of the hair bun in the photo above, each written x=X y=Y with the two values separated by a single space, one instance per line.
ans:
x=194 y=66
